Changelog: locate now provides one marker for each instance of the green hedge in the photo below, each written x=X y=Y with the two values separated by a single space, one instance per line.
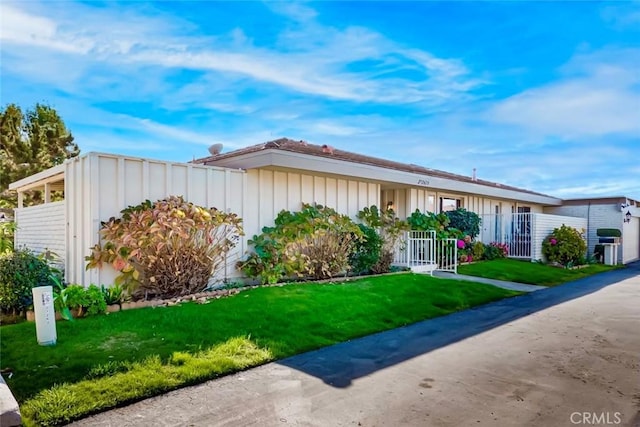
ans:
x=608 y=232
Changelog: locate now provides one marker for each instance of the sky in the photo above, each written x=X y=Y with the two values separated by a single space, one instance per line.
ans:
x=539 y=95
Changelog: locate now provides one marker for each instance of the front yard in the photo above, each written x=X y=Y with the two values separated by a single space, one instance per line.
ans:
x=532 y=273
x=108 y=360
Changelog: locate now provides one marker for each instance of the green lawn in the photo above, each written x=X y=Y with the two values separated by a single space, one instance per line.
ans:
x=520 y=271
x=271 y=322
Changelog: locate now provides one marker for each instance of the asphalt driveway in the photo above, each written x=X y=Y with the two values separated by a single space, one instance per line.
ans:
x=563 y=356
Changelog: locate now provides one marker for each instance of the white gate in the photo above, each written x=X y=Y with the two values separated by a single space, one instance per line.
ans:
x=422 y=252
x=447 y=255
x=514 y=230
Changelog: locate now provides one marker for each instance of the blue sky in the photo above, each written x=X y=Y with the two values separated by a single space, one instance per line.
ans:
x=543 y=95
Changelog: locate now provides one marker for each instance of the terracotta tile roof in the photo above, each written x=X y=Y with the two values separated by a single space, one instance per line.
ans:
x=303 y=147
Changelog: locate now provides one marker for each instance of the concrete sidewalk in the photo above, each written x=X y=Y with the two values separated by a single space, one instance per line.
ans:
x=512 y=286
x=542 y=359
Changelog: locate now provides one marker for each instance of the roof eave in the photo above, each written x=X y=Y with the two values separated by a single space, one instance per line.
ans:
x=53 y=174
x=292 y=160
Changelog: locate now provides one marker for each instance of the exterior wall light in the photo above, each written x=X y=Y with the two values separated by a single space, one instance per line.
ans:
x=390 y=205
x=627 y=217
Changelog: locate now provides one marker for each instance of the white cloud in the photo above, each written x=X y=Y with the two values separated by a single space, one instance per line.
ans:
x=623 y=15
x=311 y=59
x=23 y=28
x=323 y=84
x=604 y=188
x=597 y=98
x=333 y=129
x=293 y=10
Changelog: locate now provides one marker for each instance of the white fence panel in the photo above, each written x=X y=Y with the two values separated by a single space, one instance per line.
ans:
x=98 y=186
x=42 y=228
x=523 y=233
x=544 y=224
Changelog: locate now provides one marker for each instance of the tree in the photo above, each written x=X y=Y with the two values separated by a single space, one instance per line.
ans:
x=30 y=143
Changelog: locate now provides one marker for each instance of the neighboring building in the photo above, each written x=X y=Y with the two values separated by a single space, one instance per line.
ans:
x=622 y=213
x=258 y=182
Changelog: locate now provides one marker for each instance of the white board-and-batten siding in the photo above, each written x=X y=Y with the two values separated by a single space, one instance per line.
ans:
x=42 y=228
x=270 y=191
x=98 y=186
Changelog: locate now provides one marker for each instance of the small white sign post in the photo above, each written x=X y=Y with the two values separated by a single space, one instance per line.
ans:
x=45 y=315
x=610 y=253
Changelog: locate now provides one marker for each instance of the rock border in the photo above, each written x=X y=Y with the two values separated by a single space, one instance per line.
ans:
x=205 y=297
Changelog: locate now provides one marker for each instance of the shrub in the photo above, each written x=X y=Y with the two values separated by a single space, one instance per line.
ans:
x=7 y=230
x=95 y=302
x=20 y=271
x=366 y=252
x=389 y=228
x=491 y=252
x=565 y=246
x=384 y=263
x=267 y=263
x=75 y=298
x=465 y=221
x=85 y=301
x=608 y=232
x=465 y=249
x=429 y=221
x=477 y=251
x=314 y=242
x=495 y=250
x=114 y=294
x=440 y=223
x=503 y=249
x=166 y=248
x=323 y=253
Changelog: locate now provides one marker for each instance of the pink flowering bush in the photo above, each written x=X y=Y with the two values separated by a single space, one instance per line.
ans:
x=465 y=249
x=503 y=247
x=565 y=246
x=495 y=250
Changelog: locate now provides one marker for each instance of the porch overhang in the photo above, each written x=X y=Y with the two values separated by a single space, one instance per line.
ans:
x=48 y=180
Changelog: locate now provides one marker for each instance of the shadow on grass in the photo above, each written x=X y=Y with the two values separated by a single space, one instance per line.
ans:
x=340 y=364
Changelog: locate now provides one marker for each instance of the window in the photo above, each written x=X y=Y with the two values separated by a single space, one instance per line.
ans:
x=449 y=204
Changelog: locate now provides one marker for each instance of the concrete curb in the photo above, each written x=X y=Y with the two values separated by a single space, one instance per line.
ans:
x=9 y=410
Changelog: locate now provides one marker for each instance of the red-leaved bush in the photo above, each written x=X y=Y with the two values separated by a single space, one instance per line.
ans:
x=166 y=248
